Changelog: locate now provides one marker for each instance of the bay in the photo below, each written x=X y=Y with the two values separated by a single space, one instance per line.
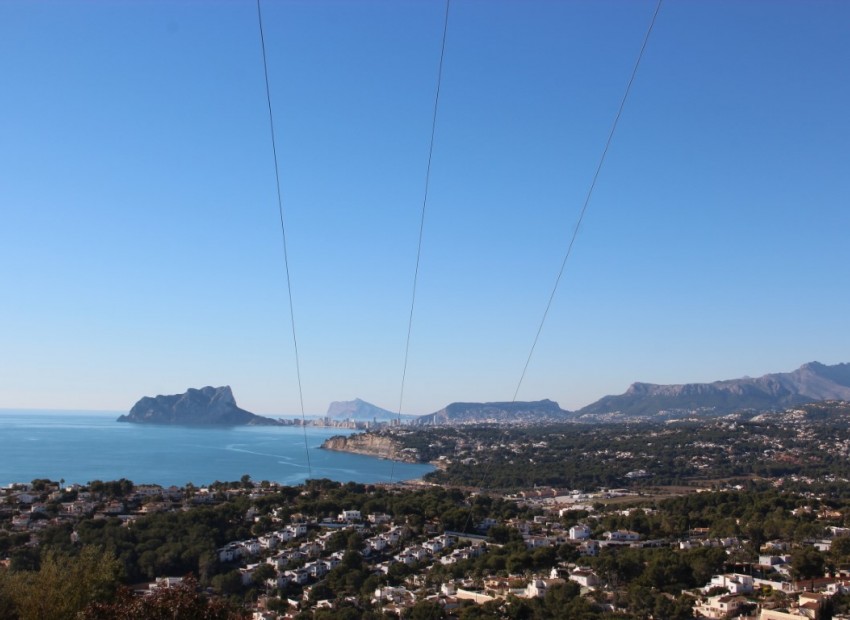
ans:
x=81 y=446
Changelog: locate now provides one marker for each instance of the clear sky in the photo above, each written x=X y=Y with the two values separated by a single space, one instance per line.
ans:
x=140 y=249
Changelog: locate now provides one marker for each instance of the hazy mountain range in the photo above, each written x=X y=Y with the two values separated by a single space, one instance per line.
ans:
x=361 y=411
x=810 y=383
x=513 y=413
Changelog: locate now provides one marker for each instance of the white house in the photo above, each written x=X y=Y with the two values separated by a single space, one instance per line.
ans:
x=280 y=581
x=299 y=576
x=317 y=569
x=433 y=546
x=378 y=518
x=535 y=588
x=579 y=532
x=279 y=561
x=722 y=606
x=347 y=516
x=735 y=583
x=269 y=541
x=584 y=578
x=247 y=573
x=251 y=547
x=378 y=543
x=229 y=553
x=535 y=542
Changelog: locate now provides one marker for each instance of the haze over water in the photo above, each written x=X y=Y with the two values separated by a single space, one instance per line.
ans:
x=83 y=446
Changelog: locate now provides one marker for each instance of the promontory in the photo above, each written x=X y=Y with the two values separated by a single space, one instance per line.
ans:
x=208 y=406
x=369 y=444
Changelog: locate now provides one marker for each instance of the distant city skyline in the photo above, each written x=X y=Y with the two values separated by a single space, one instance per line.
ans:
x=140 y=249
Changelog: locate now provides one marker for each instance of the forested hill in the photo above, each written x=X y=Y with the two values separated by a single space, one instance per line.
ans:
x=805 y=445
x=810 y=383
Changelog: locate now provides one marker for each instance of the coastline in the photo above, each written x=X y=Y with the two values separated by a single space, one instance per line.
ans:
x=87 y=446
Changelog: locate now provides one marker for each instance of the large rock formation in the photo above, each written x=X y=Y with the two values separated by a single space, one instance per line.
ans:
x=208 y=406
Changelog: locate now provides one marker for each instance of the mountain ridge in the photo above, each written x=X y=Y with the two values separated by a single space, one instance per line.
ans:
x=810 y=382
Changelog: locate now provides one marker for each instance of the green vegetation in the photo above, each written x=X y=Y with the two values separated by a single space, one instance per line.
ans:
x=61 y=588
x=807 y=447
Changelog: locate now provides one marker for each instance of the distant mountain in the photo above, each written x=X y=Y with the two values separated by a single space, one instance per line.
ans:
x=208 y=406
x=535 y=412
x=810 y=383
x=361 y=411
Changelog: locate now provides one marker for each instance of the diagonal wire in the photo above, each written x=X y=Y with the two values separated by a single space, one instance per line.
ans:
x=489 y=464
x=587 y=197
x=283 y=237
x=422 y=217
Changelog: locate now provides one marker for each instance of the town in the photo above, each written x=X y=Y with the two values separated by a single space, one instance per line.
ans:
x=774 y=546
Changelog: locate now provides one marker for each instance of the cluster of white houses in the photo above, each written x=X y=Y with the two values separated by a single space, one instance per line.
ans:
x=298 y=558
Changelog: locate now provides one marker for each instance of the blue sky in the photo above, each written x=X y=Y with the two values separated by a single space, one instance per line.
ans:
x=140 y=251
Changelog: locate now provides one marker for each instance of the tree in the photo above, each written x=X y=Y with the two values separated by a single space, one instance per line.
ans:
x=337 y=541
x=503 y=534
x=425 y=610
x=320 y=592
x=544 y=557
x=263 y=572
x=228 y=583
x=807 y=562
x=840 y=549
x=560 y=595
x=62 y=586
x=180 y=602
x=8 y=609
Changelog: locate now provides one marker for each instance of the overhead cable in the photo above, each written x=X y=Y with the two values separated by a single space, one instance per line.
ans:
x=283 y=237
x=422 y=215
x=588 y=196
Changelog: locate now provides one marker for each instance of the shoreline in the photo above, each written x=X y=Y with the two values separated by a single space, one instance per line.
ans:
x=87 y=447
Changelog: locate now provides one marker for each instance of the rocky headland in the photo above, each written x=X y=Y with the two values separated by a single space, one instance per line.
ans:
x=370 y=445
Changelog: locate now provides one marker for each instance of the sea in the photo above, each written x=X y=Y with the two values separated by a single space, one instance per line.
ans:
x=81 y=446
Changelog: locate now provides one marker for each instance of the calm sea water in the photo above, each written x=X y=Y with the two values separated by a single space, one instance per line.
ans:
x=85 y=446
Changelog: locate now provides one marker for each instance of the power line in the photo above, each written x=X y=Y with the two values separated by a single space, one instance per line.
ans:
x=283 y=237
x=490 y=462
x=588 y=196
x=422 y=217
